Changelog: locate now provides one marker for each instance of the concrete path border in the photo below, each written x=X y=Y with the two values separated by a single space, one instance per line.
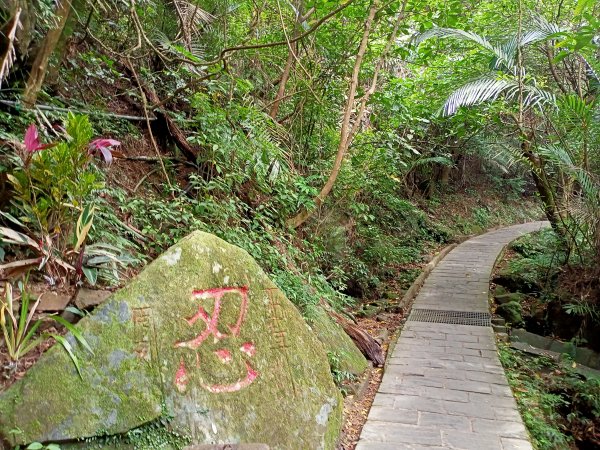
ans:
x=444 y=387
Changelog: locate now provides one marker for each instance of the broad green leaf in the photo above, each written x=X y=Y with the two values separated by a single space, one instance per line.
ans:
x=582 y=5
x=91 y=274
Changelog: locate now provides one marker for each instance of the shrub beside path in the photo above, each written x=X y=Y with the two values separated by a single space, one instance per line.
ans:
x=444 y=386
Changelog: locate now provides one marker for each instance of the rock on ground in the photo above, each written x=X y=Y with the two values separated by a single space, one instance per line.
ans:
x=201 y=334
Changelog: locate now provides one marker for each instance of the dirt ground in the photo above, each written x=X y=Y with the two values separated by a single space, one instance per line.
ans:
x=357 y=406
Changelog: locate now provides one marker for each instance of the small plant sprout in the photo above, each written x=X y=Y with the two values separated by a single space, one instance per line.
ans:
x=19 y=329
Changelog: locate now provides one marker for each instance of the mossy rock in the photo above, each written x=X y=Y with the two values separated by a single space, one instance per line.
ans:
x=514 y=282
x=338 y=343
x=512 y=312
x=509 y=297
x=500 y=290
x=202 y=333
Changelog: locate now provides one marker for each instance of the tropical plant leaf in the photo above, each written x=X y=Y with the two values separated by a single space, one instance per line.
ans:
x=489 y=88
x=505 y=53
x=456 y=33
x=74 y=331
x=10 y=32
x=91 y=274
x=192 y=17
x=12 y=218
x=69 y=349
x=84 y=223
x=15 y=237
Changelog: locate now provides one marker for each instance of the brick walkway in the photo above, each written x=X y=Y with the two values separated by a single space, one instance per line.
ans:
x=443 y=385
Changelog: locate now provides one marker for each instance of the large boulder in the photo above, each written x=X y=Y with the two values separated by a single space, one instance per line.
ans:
x=203 y=334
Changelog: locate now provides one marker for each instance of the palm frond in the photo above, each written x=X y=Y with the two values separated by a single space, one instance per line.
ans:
x=542 y=26
x=484 y=89
x=535 y=96
x=489 y=88
x=558 y=155
x=8 y=57
x=455 y=33
x=504 y=53
x=192 y=17
x=562 y=158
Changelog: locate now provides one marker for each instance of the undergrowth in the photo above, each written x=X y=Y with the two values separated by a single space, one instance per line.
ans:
x=560 y=408
x=369 y=234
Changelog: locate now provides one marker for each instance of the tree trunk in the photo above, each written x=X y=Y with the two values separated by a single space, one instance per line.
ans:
x=292 y=56
x=304 y=214
x=40 y=64
x=544 y=189
x=77 y=8
x=445 y=175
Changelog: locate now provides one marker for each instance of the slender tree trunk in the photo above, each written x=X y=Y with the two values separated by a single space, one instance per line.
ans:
x=544 y=189
x=347 y=132
x=77 y=7
x=292 y=56
x=304 y=214
x=284 y=78
x=47 y=47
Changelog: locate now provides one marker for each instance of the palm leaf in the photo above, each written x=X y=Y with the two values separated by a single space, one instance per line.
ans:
x=7 y=58
x=561 y=158
x=455 y=33
x=193 y=17
x=489 y=88
x=504 y=53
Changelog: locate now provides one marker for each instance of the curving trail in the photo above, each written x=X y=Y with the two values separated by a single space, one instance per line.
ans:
x=444 y=387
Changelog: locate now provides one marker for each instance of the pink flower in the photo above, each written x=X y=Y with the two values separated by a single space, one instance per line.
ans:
x=104 y=146
x=32 y=140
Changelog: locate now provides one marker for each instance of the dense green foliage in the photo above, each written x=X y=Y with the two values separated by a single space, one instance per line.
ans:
x=559 y=407
x=338 y=143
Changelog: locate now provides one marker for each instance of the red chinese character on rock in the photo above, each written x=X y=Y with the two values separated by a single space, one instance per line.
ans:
x=211 y=322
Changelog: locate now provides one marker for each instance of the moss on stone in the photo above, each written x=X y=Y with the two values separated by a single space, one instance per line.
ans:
x=337 y=342
x=292 y=402
x=511 y=312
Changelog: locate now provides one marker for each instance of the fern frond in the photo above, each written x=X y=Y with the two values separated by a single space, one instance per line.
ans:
x=441 y=160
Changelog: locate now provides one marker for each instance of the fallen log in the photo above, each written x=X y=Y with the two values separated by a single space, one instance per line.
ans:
x=363 y=340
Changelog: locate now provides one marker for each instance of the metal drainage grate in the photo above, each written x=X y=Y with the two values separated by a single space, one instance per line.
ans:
x=478 y=319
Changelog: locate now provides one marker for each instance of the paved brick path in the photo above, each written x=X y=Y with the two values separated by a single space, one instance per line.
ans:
x=444 y=386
